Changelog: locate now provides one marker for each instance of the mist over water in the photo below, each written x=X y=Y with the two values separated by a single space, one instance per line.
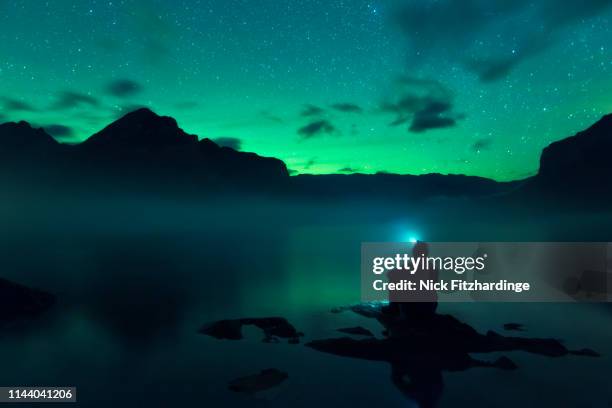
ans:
x=136 y=276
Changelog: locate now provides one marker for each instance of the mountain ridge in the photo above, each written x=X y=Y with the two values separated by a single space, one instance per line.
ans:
x=147 y=146
x=577 y=167
x=137 y=150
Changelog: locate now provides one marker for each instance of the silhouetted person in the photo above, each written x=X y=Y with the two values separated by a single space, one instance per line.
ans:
x=418 y=305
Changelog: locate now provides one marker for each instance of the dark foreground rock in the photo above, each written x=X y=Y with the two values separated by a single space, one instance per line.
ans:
x=18 y=302
x=420 y=350
x=274 y=328
x=265 y=380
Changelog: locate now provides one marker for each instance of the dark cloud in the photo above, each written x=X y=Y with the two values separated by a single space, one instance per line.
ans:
x=312 y=110
x=497 y=34
x=123 y=88
x=493 y=69
x=70 y=99
x=555 y=16
x=59 y=131
x=292 y=172
x=423 y=104
x=310 y=163
x=16 y=105
x=271 y=117
x=317 y=128
x=424 y=123
x=347 y=107
x=481 y=144
x=442 y=23
x=347 y=170
x=231 y=142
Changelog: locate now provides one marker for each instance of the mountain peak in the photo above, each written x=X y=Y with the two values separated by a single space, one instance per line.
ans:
x=579 y=165
x=141 y=128
x=21 y=135
x=142 y=114
x=588 y=149
x=152 y=147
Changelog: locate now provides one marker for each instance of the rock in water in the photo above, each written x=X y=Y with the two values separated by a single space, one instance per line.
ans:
x=586 y=352
x=357 y=331
x=19 y=302
x=223 y=329
x=265 y=380
x=514 y=327
x=272 y=327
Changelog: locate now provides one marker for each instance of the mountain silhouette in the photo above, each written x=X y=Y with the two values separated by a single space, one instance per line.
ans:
x=139 y=150
x=577 y=168
x=20 y=138
x=140 y=129
x=145 y=150
x=147 y=146
x=27 y=155
x=394 y=186
x=580 y=162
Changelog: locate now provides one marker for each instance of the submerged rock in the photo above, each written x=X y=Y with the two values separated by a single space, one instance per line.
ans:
x=358 y=331
x=366 y=309
x=265 y=380
x=514 y=327
x=273 y=328
x=18 y=302
x=585 y=352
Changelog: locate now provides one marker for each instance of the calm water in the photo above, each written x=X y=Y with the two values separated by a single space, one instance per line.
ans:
x=135 y=279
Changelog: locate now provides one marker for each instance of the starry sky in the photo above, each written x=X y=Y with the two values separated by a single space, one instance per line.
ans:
x=477 y=87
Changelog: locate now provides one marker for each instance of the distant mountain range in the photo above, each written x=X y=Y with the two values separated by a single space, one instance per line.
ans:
x=145 y=150
x=141 y=149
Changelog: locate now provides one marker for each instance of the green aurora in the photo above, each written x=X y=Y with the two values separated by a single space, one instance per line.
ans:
x=319 y=83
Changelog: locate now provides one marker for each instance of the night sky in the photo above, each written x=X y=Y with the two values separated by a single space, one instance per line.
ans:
x=474 y=86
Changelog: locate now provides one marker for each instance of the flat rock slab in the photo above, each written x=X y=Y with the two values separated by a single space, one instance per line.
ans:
x=514 y=327
x=274 y=328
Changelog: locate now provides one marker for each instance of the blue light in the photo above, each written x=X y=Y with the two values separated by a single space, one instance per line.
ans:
x=404 y=233
x=411 y=237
